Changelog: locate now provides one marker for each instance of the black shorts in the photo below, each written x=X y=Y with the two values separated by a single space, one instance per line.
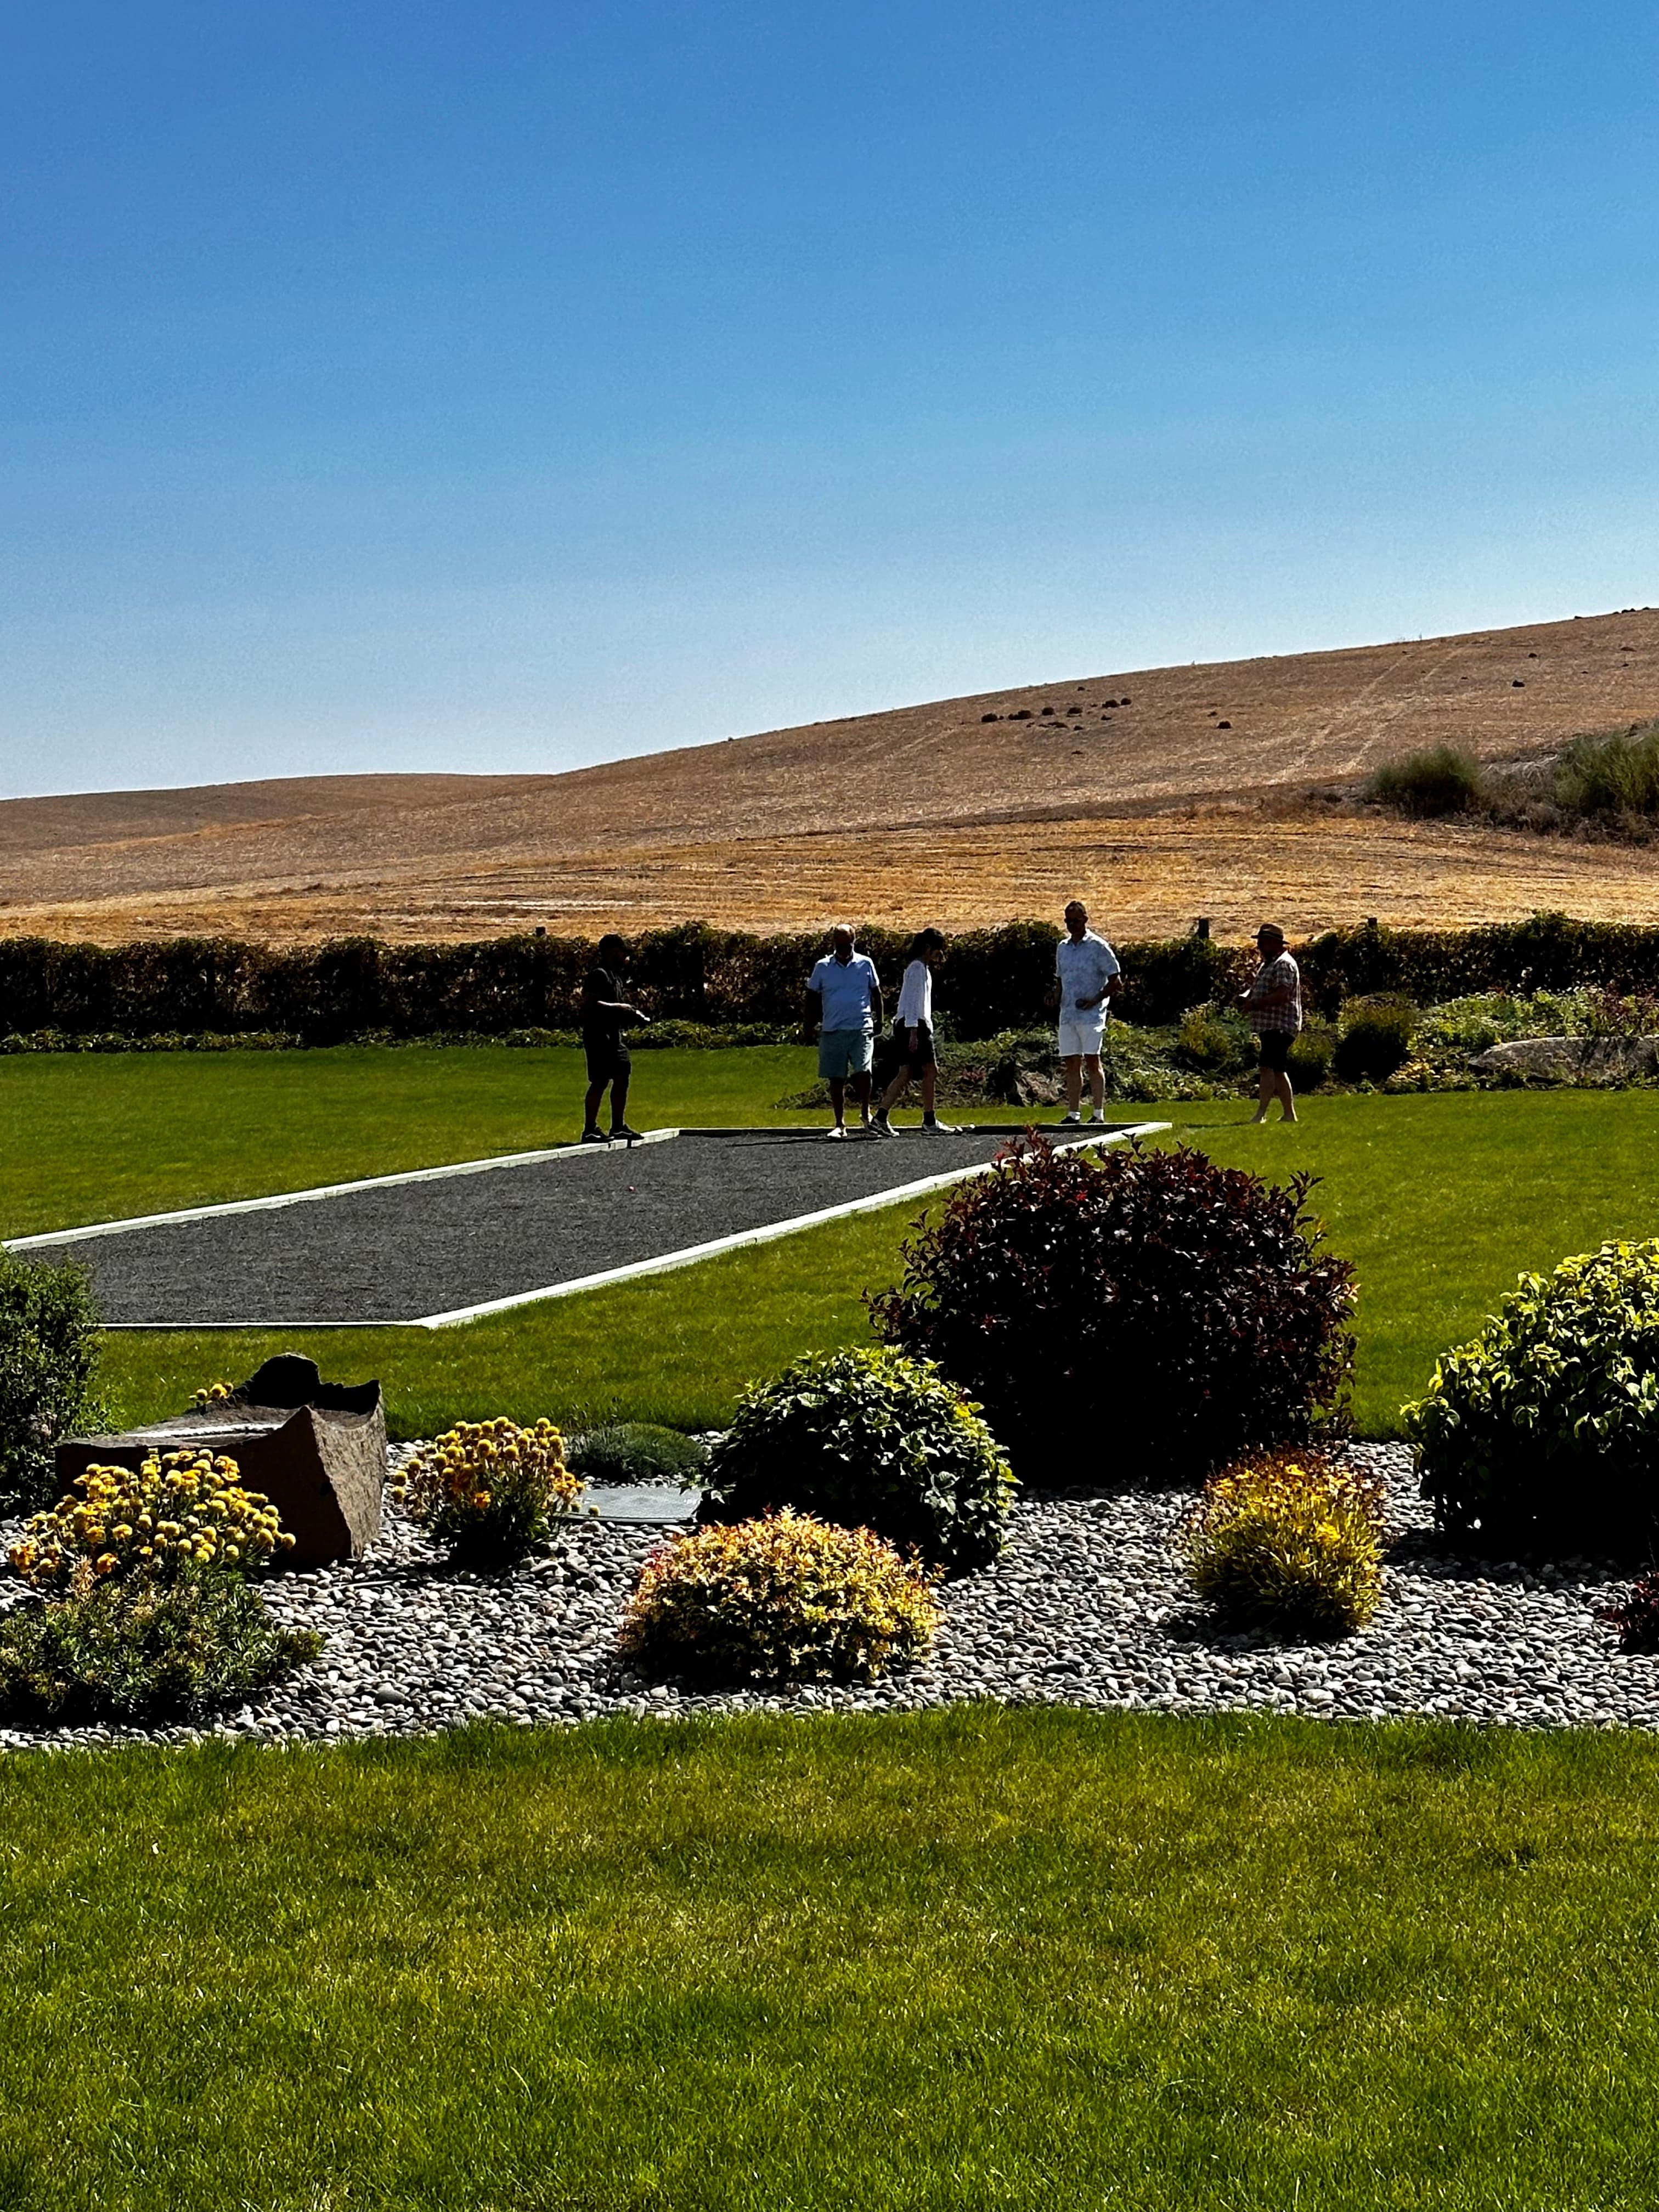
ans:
x=924 y=1055
x=1275 y=1049
x=606 y=1060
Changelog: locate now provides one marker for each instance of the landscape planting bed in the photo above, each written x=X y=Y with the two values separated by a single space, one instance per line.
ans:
x=443 y=1245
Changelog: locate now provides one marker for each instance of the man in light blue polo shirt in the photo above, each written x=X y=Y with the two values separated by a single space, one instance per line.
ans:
x=1087 y=975
x=843 y=1004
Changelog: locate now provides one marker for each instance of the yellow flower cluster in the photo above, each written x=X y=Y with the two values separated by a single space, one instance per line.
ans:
x=212 y=1394
x=1291 y=1541
x=176 y=1509
x=787 y=1598
x=491 y=1485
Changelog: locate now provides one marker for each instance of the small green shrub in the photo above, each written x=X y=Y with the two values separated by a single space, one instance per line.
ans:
x=872 y=1440
x=490 y=1492
x=144 y=1650
x=789 y=1598
x=1289 y=1542
x=637 y=1452
x=1312 y=1052
x=49 y=1327
x=1441 y=779
x=1542 y=1435
x=1375 y=1038
x=1615 y=772
x=1216 y=1040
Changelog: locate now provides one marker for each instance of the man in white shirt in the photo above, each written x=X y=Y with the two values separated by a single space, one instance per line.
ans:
x=843 y=1006
x=1086 y=979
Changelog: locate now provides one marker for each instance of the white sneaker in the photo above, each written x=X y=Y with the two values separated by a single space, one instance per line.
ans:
x=930 y=1129
x=1098 y=1122
x=1071 y=1120
x=833 y=1135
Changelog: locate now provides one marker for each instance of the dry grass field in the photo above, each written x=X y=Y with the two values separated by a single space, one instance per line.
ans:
x=1228 y=789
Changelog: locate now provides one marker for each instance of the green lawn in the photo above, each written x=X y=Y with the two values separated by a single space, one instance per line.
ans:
x=1439 y=1201
x=1040 y=1959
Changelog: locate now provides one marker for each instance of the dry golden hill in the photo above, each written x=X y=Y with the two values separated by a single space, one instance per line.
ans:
x=1228 y=789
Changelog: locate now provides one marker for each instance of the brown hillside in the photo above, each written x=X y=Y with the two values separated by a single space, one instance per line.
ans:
x=1131 y=789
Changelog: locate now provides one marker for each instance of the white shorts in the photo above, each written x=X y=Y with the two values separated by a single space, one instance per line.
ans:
x=1080 y=1033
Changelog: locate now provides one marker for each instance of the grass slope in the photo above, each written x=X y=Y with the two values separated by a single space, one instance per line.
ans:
x=1041 y=1959
x=1440 y=1200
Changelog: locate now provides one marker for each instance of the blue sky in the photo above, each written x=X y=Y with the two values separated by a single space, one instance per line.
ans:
x=506 y=387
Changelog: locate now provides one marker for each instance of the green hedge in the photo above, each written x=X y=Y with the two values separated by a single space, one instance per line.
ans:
x=995 y=979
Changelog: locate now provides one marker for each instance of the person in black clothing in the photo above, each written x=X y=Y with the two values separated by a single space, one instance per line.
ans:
x=606 y=1014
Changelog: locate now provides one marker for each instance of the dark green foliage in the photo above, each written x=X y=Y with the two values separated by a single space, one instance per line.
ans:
x=1441 y=779
x=1375 y=1038
x=1614 y=772
x=1542 y=1435
x=143 y=1650
x=48 y=1352
x=637 y=1451
x=868 y=1439
x=1147 y=1306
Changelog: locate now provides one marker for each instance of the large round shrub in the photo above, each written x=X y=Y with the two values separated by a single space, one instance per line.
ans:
x=872 y=1440
x=1144 y=1312
x=787 y=1598
x=1542 y=1435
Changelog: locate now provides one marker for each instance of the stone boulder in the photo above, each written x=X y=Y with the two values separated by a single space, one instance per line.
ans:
x=316 y=1450
x=1602 y=1061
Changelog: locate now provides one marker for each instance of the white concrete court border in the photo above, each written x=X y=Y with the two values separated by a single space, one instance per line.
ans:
x=686 y=1256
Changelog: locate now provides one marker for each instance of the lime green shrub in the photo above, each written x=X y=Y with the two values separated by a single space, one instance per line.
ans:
x=1542 y=1435
x=872 y=1439
x=1216 y=1040
x=489 y=1490
x=1438 y=780
x=789 y=1598
x=1311 y=1052
x=176 y=1510
x=143 y=1648
x=1289 y=1541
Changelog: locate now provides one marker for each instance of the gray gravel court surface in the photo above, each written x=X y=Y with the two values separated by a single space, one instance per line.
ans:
x=403 y=1251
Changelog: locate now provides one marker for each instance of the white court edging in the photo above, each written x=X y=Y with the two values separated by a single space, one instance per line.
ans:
x=689 y=1254
x=322 y=1191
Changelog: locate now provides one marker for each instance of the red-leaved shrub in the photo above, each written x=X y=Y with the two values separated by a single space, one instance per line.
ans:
x=1146 y=1310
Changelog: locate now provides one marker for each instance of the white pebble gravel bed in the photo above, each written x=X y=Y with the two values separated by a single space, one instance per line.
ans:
x=1088 y=1606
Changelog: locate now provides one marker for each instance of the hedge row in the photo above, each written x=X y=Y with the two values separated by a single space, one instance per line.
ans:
x=999 y=979
x=996 y=980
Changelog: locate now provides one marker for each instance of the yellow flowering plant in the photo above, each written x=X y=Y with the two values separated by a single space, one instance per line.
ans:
x=176 y=1510
x=211 y=1394
x=1290 y=1541
x=489 y=1490
x=787 y=1598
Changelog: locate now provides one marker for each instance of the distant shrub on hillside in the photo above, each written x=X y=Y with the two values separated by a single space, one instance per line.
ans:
x=1441 y=779
x=1616 y=773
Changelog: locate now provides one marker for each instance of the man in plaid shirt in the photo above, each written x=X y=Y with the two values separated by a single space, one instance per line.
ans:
x=1272 y=1006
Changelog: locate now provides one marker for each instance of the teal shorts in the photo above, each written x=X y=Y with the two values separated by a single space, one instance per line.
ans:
x=843 y=1053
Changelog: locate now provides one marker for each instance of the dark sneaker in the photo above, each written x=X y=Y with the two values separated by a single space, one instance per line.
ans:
x=881 y=1127
x=622 y=1131
x=594 y=1137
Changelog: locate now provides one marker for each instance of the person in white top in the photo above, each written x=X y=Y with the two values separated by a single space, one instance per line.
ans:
x=1087 y=978
x=912 y=1029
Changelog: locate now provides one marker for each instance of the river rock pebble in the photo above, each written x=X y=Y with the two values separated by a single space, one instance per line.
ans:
x=1088 y=1606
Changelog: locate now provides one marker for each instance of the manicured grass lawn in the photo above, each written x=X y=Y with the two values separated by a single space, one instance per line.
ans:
x=1039 y=1959
x=1440 y=1200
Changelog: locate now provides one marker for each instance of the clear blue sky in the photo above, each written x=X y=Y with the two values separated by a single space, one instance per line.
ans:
x=390 y=384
